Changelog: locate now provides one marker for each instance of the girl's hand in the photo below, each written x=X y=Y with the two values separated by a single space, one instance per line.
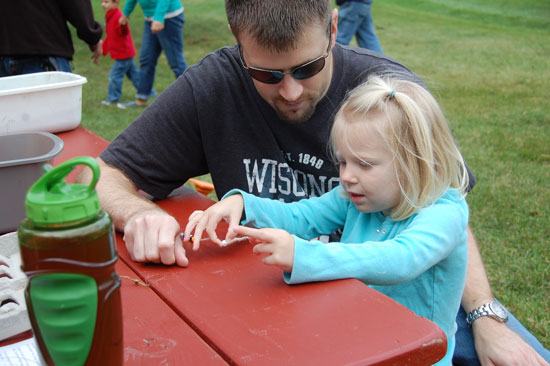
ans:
x=229 y=209
x=277 y=243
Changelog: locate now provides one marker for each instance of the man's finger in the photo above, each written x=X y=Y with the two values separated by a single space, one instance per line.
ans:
x=179 y=252
x=151 y=242
x=129 y=241
x=136 y=238
x=166 y=246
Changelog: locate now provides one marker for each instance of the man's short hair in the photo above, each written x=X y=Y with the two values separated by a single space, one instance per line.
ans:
x=277 y=25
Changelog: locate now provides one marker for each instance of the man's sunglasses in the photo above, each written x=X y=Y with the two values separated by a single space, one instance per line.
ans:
x=302 y=72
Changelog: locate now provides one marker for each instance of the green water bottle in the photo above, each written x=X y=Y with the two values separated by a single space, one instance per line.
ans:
x=68 y=254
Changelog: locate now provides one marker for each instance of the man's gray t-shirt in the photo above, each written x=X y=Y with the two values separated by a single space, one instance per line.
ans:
x=212 y=120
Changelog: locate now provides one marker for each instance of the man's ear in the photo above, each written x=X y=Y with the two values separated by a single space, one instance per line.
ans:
x=231 y=30
x=334 y=23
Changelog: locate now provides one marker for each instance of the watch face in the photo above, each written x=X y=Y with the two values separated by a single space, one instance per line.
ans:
x=499 y=310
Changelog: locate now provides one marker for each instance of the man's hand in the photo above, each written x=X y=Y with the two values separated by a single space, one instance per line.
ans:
x=96 y=51
x=498 y=345
x=150 y=234
x=154 y=236
x=495 y=343
x=123 y=20
x=276 y=243
x=156 y=26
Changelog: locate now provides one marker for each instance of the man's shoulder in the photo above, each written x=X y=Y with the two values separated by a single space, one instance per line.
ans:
x=215 y=73
x=359 y=56
x=361 y=62
x=221 y=55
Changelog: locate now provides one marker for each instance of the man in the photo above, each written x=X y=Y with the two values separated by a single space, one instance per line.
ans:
x=257 y=117
x=34 y=36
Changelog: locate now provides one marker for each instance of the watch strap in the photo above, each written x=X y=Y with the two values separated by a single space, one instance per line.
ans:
x=483 y=310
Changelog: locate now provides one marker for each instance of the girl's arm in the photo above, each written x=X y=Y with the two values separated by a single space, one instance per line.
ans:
x=308 y=218
x=428 y=238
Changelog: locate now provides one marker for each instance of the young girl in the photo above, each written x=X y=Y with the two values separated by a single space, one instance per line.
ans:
x=401 y=205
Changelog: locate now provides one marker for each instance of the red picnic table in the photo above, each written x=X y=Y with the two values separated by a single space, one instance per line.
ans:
x=227 y=307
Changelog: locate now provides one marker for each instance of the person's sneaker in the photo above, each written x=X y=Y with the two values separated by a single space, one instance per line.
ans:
x=131 y=104
x=106 y=102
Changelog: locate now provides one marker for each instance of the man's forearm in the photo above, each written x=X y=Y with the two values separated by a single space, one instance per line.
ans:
x=118 y=195
x=477 y=290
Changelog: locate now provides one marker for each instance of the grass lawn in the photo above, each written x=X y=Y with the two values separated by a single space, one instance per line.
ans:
x=488 y=63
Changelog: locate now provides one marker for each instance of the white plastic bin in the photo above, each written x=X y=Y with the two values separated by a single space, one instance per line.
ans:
x=44 y=101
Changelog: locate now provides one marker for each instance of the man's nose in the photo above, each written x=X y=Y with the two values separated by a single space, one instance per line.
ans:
x=290 y=88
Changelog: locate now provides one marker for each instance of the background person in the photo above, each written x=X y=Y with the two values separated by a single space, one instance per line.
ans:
x=162 y=31
x=264 y=132
x=34 y=36
x=119 y=43
x=355 y=19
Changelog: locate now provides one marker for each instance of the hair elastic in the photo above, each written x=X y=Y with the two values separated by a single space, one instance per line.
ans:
x=392 y=94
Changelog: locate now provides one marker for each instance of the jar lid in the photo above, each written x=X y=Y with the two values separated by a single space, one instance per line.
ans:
x=51 y=200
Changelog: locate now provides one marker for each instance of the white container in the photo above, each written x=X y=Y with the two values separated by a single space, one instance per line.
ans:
x=44 y=101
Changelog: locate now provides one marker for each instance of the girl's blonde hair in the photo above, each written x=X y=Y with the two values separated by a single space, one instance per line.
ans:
x=426 y=159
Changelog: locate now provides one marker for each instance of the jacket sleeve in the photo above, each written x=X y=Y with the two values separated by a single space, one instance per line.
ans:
x=161 y=10
x=308 y=218
x=80 y=14
x=121 y=30
x=129 y=7
x=105 y=46
x=429 y=237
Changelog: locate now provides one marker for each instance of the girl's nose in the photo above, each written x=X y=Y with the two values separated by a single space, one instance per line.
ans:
x=290 y=88
x=347 y=175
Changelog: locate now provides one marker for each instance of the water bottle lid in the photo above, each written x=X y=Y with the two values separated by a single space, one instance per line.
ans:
x=51 y=200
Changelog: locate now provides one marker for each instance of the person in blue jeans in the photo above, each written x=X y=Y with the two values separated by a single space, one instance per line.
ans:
x=162 y=31
x=31 y=42
x=355 y=19
x=120 y=45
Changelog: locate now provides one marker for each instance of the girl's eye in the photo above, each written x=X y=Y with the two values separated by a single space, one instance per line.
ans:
x=365 y=164
x=340 y=163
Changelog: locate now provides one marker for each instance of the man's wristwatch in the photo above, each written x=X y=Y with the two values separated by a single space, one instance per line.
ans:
x=494 y=309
